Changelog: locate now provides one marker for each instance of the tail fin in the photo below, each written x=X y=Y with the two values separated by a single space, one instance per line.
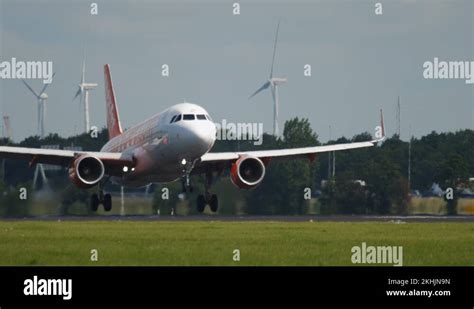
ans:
x=113 y=119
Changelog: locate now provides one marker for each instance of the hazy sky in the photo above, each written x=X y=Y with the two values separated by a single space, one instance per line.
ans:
x=360 y=61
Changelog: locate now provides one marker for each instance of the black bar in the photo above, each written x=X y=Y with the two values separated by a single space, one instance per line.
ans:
x=241 y=285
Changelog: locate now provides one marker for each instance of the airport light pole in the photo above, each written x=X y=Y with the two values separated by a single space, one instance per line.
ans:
x=122 y=201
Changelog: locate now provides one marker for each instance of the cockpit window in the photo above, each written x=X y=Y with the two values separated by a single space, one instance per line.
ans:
x=178 y=118
x=188 y=117
x=201 y=117
x=208 y=117
x=172 y=119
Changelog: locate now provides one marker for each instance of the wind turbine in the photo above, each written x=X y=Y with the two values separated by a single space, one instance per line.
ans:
x=273 y=83
x=83 y=91
x=41 y=97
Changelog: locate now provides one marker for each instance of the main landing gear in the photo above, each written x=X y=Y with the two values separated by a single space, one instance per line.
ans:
x=101 y=198
x=207 y=198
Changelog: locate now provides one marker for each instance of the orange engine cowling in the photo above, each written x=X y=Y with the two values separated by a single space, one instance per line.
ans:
x=247 y=172
x=86 y=171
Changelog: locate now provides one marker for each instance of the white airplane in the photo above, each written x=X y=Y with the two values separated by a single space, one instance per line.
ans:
x=168 y=146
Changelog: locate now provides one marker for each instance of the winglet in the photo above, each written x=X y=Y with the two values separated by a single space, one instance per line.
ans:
x=382 y=130
x=113 y=119
x=382 y=124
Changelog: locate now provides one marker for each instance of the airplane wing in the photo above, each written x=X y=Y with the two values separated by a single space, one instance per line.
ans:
x=113 y=162
x=293 y=153
x=221 y=160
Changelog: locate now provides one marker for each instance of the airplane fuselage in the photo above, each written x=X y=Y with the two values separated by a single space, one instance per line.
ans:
x=160 y=143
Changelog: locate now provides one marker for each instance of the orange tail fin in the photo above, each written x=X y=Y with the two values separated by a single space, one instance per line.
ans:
x=113 y=119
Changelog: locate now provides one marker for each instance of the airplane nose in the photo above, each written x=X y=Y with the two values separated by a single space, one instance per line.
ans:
x=202 y=138
x=207 y=136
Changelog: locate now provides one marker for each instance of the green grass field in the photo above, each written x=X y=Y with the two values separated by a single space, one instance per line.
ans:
x=213 y=243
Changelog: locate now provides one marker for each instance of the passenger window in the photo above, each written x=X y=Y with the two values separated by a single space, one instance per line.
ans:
x=178 y=118
x=201 y=117
x=172 y=119
x=188 y=117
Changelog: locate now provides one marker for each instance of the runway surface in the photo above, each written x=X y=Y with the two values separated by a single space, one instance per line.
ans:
x=388 y=219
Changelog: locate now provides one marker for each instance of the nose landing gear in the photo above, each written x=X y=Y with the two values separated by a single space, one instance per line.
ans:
x=185 y=179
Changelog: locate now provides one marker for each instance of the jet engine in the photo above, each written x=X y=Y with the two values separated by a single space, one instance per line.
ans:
x=86 y=171
x=247 y=172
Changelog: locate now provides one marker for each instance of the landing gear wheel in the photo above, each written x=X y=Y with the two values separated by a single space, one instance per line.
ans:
x=94 y=202
x=107 y=202
x=214 y=203
x=201 y=203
